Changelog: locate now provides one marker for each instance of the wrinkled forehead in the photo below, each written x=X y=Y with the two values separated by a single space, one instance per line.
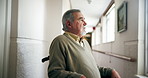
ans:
x=78 y=15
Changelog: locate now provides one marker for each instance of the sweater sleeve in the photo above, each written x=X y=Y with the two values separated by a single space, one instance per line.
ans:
x=105 y=72
x=57 y=63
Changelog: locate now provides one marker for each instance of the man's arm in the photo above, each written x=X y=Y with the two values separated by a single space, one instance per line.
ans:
x=115 y=74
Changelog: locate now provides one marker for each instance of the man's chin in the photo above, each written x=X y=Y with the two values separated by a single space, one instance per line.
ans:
x=83 y=33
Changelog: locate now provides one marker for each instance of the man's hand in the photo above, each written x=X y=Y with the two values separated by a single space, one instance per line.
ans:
x=82 y=76
x=115 y=74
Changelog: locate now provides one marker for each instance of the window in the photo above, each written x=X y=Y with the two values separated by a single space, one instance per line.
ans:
x=109 y=25
x=96 y=36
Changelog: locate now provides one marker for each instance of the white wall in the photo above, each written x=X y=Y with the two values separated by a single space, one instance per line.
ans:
x=53 y=14
x=126 y=43
x=2 y=34
x=66 y=6
x=34 y=25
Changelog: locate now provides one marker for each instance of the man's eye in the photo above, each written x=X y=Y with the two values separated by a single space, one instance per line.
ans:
x=81 y=20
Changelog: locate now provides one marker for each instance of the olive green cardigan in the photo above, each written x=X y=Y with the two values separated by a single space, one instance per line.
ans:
x=68 y=59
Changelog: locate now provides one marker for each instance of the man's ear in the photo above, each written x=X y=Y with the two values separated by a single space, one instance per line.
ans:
x=68 y=23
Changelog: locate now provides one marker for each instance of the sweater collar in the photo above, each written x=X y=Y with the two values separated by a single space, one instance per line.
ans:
x=75 y=37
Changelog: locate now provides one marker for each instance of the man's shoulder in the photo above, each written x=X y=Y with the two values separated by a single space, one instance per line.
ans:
x=60 y=38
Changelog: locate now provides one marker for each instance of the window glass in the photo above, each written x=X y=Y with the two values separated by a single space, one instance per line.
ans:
x=109 y=25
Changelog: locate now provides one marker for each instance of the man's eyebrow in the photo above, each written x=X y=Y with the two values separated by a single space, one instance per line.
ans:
x=81 y=18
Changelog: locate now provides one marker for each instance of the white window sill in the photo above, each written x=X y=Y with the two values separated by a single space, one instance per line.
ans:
x=140 y=76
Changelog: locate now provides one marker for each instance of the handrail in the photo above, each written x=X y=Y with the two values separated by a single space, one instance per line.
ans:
x=116 y=55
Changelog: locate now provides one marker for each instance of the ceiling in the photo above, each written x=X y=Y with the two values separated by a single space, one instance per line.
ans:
x=91 y=11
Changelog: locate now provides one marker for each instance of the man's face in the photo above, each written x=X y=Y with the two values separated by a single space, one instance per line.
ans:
x=77 y=26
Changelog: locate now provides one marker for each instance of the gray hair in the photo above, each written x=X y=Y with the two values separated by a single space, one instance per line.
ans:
x=68 y=15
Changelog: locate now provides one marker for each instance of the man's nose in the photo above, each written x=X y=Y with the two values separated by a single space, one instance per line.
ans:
x=85 y=23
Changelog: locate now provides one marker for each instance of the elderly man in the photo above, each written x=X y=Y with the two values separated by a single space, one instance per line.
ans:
x=70 y=53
